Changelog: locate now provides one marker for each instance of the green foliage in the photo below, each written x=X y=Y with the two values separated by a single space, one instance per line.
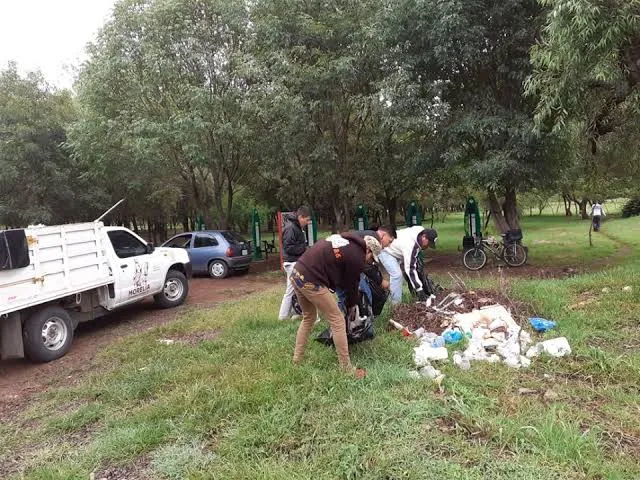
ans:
x=39 y=183
x=631 y=208
x=168 y=90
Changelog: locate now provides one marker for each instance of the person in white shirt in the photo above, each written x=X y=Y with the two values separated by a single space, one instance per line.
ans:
x=404 y=250
x=597 y=212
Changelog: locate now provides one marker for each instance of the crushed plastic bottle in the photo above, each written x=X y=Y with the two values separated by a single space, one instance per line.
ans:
x=452 y=336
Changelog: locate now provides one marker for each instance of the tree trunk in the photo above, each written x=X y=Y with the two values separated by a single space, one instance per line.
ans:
x=567 y=205
x=510 y=209
x=229 y=204
x=135 y=225
x=583 y=209
x=337 y=219
x=496 y=212
x=392 y=208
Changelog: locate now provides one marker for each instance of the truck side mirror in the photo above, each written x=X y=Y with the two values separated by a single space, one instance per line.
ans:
x=150 y=247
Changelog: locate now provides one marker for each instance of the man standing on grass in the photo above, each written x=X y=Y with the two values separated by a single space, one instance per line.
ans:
x=331 y=264
x=404 y=250
x=294 y=244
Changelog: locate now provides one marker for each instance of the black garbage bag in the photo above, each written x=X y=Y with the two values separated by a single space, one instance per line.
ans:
x=428 y=285
x=358 y=330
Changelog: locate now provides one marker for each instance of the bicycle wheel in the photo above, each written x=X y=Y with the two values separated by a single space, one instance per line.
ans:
x=474 y=259
x=514 y=255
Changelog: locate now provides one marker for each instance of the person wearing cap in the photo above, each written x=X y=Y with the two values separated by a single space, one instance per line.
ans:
x=405 y=249
x=331 y=264
x=385 y=235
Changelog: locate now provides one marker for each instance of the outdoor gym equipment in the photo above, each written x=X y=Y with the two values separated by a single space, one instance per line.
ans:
x=472 y=224
x=255 y=226
x=413 y=217
x=361 y=220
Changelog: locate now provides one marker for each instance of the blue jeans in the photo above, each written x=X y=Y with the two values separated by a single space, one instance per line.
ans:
x=392 y=266
x=363 y=287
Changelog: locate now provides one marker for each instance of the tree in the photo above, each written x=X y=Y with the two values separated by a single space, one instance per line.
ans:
x=478 y=51
x=323 y=61
x=168 y=90
x=39 y=183
x=587 y=65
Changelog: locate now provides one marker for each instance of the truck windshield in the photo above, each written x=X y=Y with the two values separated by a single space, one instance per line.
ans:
x=126 y=245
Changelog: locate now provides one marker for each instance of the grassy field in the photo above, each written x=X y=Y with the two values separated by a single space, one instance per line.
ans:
x=234 y=407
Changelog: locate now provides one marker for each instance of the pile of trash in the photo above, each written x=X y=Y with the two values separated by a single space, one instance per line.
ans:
x=484 y=331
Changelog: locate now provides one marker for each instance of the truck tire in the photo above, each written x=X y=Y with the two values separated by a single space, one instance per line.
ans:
x=175 y=290
x=47 y=334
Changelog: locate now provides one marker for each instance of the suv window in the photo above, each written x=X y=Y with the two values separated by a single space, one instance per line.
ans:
x=181 y=241
x=126 y=245
x=203 y=241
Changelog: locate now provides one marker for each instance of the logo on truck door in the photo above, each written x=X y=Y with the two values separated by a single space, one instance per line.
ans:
x=140 y=279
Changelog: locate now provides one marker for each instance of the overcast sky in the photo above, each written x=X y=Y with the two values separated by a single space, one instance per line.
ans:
x=49 y=35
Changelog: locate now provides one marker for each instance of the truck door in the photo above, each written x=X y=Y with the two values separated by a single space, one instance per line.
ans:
x=136 y=272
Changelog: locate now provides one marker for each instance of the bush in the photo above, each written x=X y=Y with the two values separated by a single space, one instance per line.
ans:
x=631 y=208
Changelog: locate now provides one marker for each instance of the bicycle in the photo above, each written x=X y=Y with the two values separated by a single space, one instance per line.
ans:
x=513 y=254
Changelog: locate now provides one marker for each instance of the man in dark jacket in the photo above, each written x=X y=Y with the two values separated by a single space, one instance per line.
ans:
x=294 y=244
x=331 y=264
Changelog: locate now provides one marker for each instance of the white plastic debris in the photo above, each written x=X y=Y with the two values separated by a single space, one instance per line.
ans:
x=606 y=290
x=430 y=372
x=628 y=289
x=525 y=362
x=556 y=347
x=414 y=374
x=525 y=340
x=166 y=341
x=425 y=353
x=534 y=351
x=461 y=362
x=419 y=332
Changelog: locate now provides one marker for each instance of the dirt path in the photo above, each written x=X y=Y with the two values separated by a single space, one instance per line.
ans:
x=19 y=379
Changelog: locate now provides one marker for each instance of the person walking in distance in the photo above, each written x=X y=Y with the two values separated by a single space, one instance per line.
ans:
x=294 y=244
x=597 y=212
x=331 y=264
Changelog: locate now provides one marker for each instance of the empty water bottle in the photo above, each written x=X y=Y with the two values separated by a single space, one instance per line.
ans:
x=452 y=336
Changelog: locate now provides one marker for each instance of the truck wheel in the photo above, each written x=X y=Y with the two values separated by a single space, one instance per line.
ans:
x=47 y=334
x=176 y=289
x=218 y=269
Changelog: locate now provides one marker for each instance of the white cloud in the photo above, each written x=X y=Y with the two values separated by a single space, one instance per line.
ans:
x=49 y=35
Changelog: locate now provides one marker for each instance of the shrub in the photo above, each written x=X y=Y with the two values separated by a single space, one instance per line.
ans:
x=631 y=208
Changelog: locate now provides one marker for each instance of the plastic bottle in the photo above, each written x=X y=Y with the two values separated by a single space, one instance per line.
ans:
x=452 y=336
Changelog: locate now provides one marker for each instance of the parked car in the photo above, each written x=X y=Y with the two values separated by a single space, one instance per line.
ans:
x=215 y=252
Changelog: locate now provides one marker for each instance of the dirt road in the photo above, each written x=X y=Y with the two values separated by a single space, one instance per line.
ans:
x=20 y=379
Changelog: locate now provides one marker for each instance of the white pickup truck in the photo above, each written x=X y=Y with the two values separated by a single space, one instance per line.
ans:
x=54 y=277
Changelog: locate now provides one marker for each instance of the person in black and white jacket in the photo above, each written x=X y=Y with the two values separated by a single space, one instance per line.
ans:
x=294 y=244
x=405 y=249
